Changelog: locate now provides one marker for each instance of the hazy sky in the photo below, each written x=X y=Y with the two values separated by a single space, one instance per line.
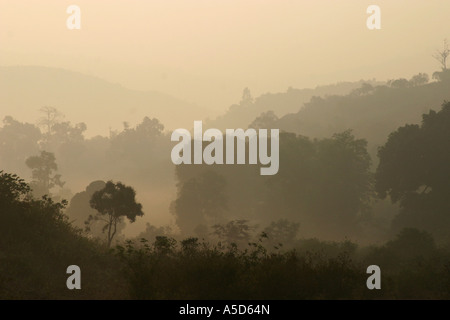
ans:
x=207 y=51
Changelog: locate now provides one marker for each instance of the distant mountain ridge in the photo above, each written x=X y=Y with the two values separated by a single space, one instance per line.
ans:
x=82 y=98
x=242 y=114
x=372 y=115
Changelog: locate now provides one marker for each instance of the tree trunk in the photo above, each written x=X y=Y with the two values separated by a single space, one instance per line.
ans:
x=112 y=223
x=109 y=231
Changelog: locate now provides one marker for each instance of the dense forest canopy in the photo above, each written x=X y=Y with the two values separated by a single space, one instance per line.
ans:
x=360 y=179
x=327 y=154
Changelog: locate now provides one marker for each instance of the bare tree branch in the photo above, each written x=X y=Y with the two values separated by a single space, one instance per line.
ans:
x=441 y=55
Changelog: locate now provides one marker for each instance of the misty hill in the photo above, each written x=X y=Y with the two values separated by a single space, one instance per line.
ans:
x=371 y=112
x=81 y=98
x=242 y=114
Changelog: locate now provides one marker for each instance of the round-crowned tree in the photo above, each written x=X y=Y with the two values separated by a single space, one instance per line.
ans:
x=115 y=202
x=414 y=172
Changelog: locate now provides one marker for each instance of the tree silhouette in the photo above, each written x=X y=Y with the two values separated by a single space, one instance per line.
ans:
x=113 y=203
x=419 y=79
x=324 y=184
x=247 y=98
x=266 y=120
x=399 y=83
x=200 y=199
x=51 y=116
x=12 y=188
x=42 y=167
x=414 y=172
x=17 y=141
x=80 y=210
x=443 y=76
x=442 y=55
x=365 y=89
x=235 y=231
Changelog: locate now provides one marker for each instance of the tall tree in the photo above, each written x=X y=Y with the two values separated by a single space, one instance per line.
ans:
x=80 y=210
x=414 y=172
x=51 y=116
x=115 y=202
x=247 y=98
x=42 y=167
x=442 y=55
